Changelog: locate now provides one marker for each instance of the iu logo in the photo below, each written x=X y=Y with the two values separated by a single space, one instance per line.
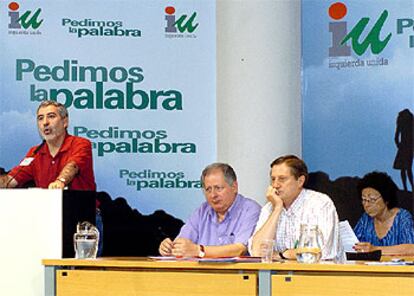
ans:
x=340 y=36
x=26 y=20
x=181 y=24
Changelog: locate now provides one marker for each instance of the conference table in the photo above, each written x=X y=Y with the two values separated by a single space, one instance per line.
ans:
x=149 y=276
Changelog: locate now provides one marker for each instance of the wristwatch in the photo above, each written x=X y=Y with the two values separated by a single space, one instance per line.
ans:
x=202 y=252
x=63 y=180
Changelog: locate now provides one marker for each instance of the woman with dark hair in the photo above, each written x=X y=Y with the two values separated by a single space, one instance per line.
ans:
x=383 y=226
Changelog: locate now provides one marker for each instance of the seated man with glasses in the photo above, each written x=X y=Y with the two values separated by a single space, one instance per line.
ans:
x=222 y=225
x=383 y=226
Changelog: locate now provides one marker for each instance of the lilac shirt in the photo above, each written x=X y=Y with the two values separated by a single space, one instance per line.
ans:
x=237 y=227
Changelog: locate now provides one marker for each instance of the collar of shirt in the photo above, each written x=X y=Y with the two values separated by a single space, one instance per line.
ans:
x=296 y=205
x=65 y=146
x=229 y=212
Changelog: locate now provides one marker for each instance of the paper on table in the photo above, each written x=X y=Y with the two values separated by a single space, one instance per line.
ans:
x=348 y=237
x=201 y=260
x=218 y=260
x=390 y=263
x=241 y=259
x=164 y=258
x=172 y=258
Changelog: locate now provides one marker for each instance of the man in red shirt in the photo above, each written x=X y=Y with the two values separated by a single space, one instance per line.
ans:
x=60 y=161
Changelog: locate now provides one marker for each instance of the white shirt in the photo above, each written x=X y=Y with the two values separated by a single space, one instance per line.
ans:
x=309 y=207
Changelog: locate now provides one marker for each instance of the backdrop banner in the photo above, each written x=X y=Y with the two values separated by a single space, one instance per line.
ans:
x=138 y=79
x=358 y=91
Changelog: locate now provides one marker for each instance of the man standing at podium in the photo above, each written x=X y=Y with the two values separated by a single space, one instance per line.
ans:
x=60 y=161
x=222 y=225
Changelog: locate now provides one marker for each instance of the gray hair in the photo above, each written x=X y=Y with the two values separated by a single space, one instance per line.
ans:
x=227 y=170
x=63 y=112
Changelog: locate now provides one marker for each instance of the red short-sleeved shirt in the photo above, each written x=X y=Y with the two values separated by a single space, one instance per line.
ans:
x=44 y=169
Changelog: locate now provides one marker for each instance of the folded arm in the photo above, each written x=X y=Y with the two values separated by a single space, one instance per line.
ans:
x=269 y=228
x=186 y=248
x=402 y=249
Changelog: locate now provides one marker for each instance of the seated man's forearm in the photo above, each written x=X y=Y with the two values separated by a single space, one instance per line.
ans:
x=267 y=231
x=231 y=250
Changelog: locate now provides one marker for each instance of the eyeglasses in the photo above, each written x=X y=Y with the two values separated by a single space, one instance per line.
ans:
x=370 y=198
x=217 y=189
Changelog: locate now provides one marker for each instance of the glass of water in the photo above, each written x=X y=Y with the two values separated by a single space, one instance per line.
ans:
x=266 y=250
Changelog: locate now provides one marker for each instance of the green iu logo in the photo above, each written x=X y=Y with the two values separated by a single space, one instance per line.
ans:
x=26 y=20
x=181 y=24
x=340 y=36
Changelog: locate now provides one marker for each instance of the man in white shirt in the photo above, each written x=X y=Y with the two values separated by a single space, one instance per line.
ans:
x=290 y=205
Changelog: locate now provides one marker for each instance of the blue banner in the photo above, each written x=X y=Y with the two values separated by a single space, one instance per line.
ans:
x=358 y=94
x=138 y=78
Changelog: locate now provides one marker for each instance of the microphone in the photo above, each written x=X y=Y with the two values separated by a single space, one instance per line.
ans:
x=21 y=167
x=2 y=171
x=38 y=148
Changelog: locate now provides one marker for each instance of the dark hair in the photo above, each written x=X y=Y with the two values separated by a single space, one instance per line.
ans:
x=382 y=183
x=227 y=170
x=297 y=166
x=63 y=112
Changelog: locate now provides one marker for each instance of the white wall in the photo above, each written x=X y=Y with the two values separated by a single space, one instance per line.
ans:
x=258 y=87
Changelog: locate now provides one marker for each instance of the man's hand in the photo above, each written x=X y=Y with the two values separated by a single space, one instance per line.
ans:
x=7 y=182
x=3 y=181
x=57 y=184
x=166 y=247
x=273 y=197
x=185 y=248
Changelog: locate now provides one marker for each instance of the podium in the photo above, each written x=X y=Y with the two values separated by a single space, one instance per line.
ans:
x=35 y=224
